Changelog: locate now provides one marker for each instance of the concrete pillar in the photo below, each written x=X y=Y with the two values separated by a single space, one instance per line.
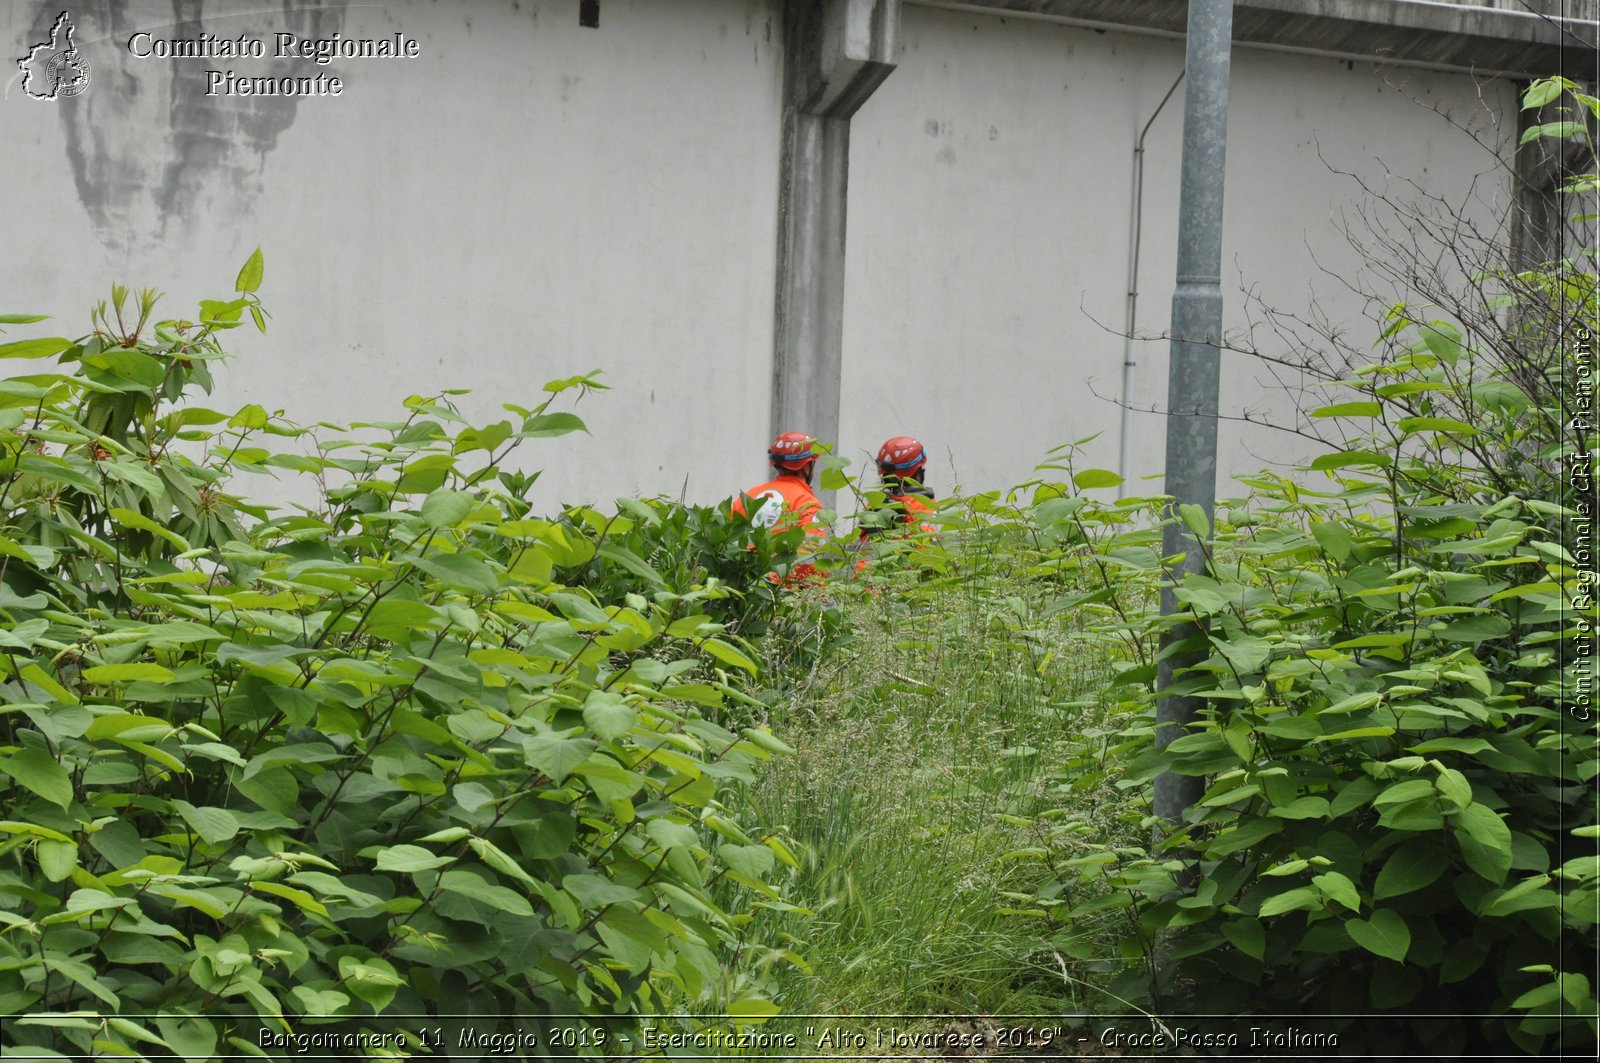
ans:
x=836 y=52
x=1541 y=229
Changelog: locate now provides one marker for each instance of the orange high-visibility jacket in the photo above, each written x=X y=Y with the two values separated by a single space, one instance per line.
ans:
x=911 y=507
x=785 y=502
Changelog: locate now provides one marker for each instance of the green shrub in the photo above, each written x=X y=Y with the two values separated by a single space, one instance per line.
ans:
x=685 y=546
x=1398 y=748
x=406 y=749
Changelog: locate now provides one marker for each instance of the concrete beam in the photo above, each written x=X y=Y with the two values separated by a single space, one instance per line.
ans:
x=844 y=54
x=1464 y=36
x=836 y=53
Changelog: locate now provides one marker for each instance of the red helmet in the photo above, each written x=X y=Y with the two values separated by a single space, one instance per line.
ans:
x=791 y=452
x=902 y=456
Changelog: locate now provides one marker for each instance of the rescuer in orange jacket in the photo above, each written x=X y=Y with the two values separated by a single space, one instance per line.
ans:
x=786 y=500
x=901 y=462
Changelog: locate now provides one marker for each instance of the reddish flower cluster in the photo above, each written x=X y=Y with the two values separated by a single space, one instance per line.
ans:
x=805 y=574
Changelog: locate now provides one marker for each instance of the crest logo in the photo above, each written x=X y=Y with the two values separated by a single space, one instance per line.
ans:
x=55 y=68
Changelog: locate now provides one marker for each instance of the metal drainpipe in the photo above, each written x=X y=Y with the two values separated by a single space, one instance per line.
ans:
x=1124 y=458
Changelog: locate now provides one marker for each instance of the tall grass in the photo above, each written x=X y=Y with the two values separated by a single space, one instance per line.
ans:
x=956 y=708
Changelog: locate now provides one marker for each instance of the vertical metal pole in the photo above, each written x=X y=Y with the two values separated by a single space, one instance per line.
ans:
x=1194 y=372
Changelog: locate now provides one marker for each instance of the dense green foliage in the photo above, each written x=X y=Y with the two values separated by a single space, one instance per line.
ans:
x=1396 y=653
x=404 y=749
x=413 y=748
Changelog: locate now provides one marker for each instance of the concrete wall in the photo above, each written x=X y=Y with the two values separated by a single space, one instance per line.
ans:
x=526 y=200
x=530 y=199
x=990 y=198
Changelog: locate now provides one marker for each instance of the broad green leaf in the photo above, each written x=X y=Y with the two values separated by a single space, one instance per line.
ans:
x=1245 y=653
x=408 y=858
x=766 y=740
x=608 y=715
x=250 y=273
x=1528 y=895
x=1301 y=898
x=371 y=978
x=191 y=1037
x=299 y=897
x=56 y=859
x=579 y=609
x=629 y=560
x=1539 y=996
x=1553 y=130
x=445 y=508
x=1244 y=836
x=250 y=417
x=501 y=861
x=130 y=519
x=10 y=826
x=141 y=672
x=1248 y=936
x=1334 y=539
x=135 y=474
x=670 y=835
x=215 y=825
x=1410 y=425
x=1402 y=792
x=833 y=479
x=1349 y=409
x=1291 y=868
x=1443 y=340
x=131 y=1029
x=39 y=348
x=319 y=1001
x=262 y=654
x=1454 y=787
x=555 y=755
x=1344 y=459
x=582 y=380
x=41 y=773
x=1307 y=807
x=609 y=780
x=1195 y=519
x=547 y=425
x=1409 y=868
x=446 y=836
x=471 y=886
x=594 y=892
x=38 y=556
x=459 y=571
x=727 y=654
x=204 y=901
x=1576 y=991
x=472 y=796
x=1092 y=478
x=1540 y=93
x=1337 y=887
x=1485 y=841
x=84 y=975
x=1385 y=934
x=752 y=861
x=1355 y=703
x=487 y=438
